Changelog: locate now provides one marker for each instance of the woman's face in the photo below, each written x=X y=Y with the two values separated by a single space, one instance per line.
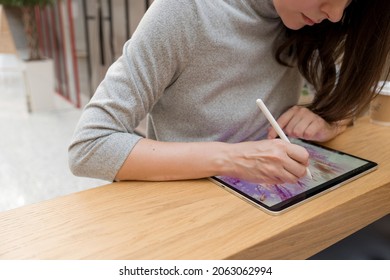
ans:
x=295 y=14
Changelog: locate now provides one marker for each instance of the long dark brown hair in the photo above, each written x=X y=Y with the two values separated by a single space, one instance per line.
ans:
x=344 y=61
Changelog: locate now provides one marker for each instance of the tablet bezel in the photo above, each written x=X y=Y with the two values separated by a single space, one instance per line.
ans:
x=314 y=192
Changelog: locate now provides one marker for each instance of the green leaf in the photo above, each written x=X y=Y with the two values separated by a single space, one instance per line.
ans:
x=24 y=3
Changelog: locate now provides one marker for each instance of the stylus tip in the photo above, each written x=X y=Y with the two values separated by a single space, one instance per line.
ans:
x=308 y=173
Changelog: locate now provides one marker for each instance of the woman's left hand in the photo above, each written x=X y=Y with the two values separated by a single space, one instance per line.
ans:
x=300 y=122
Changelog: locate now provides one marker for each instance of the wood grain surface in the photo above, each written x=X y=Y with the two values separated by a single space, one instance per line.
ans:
x=196 y=219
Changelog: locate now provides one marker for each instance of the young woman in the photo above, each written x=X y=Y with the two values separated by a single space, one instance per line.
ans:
x=196 y=68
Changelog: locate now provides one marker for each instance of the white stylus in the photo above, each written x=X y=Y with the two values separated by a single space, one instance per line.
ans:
x=276 y=126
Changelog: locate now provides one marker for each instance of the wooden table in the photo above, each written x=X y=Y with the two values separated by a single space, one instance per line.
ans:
x=197 y=219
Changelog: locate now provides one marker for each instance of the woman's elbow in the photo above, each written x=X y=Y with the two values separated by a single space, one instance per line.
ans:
x=76 y=162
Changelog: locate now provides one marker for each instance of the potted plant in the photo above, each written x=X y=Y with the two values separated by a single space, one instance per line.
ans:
x=39 y=70
x=29 y=22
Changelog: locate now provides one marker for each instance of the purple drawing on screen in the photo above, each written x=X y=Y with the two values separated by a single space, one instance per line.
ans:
x=324 y=165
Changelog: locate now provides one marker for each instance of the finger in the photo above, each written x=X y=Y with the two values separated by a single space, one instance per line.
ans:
x=295 y=121
x=296 y=170
x=311 y=131
x=299 y=128
x=273 y=180
x=298 y=154
x=283 y=176
x=271 y=133
x=287 y=117
x=289 y=174
x=293 y=165
x=321 y=131
x=300 y=121
x=283 y=120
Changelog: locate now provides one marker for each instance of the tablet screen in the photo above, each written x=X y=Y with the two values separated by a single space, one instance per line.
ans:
x=329 y=168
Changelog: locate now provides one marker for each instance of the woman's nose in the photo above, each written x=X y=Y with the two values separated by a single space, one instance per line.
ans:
x=333 y=11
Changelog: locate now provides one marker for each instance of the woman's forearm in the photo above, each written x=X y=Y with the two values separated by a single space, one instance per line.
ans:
x=161 y=161
x=267 y=161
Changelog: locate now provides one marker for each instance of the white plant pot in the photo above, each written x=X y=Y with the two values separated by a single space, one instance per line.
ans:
x=39 y=78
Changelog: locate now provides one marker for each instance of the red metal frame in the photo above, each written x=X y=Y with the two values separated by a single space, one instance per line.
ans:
x=73 y=47
x=56 y=49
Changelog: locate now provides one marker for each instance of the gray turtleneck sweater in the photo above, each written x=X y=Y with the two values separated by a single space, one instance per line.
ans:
x=195 y=68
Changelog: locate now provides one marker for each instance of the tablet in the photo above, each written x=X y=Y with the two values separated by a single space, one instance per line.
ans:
x=330 y=169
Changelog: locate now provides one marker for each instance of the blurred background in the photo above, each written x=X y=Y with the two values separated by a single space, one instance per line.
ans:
x=50 y=66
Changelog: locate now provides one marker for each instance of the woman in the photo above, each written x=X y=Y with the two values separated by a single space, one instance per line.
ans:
x=196 y=68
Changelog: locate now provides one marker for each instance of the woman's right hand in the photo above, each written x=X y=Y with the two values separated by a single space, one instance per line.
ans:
x=267 y=161
x=271 y=161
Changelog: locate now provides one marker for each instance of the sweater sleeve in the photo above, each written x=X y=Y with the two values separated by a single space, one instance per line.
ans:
x=151 y=60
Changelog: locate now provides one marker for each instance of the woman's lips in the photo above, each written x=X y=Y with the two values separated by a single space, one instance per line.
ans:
x=308 y=20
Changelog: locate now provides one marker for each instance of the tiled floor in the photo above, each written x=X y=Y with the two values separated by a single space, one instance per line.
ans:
x=33 y=147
